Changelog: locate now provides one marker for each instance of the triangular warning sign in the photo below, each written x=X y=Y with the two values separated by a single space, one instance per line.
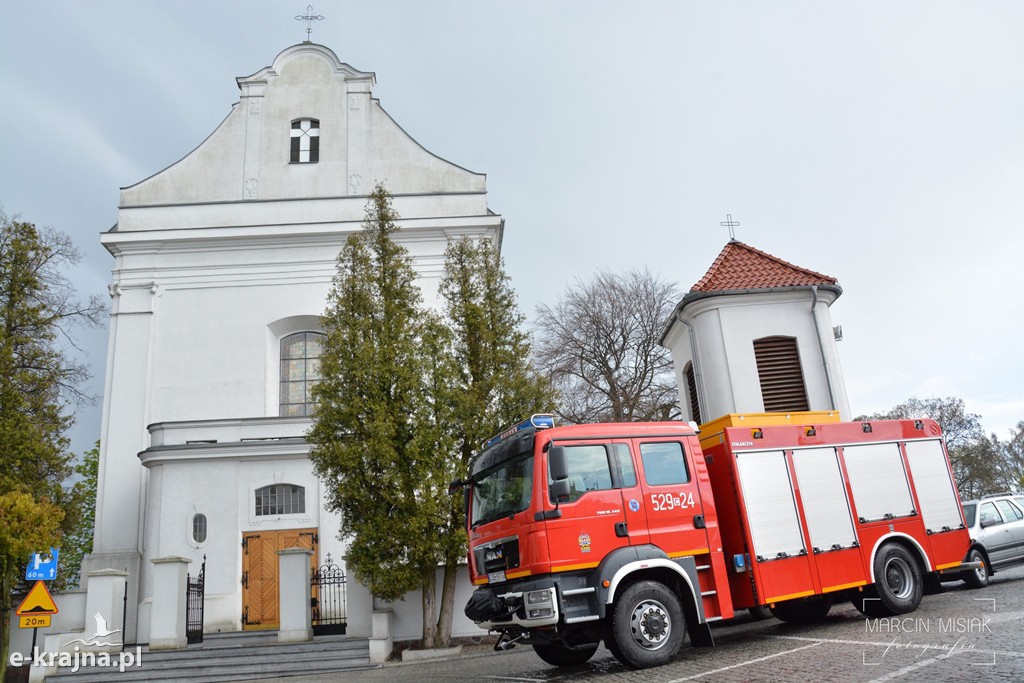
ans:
x=38 y=601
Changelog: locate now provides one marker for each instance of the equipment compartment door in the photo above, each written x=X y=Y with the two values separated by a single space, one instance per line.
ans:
x=833 y=538
x=779 y=557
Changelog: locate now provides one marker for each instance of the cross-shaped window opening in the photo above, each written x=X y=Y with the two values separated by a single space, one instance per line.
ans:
x=305 y=141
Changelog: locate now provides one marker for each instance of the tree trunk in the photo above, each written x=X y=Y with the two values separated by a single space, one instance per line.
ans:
x=443 y=637
x=429 y=606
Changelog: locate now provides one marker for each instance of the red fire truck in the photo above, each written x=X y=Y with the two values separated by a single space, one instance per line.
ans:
x=635 y=533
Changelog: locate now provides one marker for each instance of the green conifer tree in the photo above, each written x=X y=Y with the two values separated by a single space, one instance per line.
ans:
x=495 y=385
x=377 y=440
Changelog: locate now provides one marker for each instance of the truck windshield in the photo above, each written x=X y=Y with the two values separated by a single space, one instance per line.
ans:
x=502 y=491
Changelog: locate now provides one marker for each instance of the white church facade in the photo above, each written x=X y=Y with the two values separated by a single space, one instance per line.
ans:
x=222 y=265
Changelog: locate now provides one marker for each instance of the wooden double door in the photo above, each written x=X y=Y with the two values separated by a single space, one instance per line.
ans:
x=260 y=585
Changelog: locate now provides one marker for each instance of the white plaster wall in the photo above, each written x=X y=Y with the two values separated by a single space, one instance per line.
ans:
x=407 y=614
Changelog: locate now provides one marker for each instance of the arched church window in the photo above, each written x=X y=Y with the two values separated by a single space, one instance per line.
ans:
x=280 y=499
x=300 y=370
x=691 y=392
x=305 y=141
x=782 y=379
x=199 y=528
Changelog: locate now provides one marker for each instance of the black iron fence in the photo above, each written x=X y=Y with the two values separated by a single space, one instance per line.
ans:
x=327 y=590
x=196 y=597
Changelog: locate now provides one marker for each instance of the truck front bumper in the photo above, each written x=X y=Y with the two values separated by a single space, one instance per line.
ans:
x=523 y=607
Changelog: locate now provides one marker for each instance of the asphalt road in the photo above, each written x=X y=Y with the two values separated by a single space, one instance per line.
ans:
x=957 y=635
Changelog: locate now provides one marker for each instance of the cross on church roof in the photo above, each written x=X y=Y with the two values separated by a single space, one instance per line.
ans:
x=309 y=18
x=730 y=223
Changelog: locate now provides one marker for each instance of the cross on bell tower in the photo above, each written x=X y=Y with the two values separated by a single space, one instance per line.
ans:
x=309 y=17
x=730 y=223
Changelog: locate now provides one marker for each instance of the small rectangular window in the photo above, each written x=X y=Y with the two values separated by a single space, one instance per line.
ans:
x=305 y=142
x=627 y=471
x=588 y=470
x=989 y=516
x=1009 y=510
x=664 y=463
x=280 y=499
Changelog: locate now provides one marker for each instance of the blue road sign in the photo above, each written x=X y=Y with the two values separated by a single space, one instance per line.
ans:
x=41 y=568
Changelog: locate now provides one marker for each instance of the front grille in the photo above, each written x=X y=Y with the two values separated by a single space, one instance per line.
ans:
x=497 y=555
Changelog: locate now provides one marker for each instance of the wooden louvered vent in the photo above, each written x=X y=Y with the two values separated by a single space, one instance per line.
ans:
x=691 y=388
x=782 y=380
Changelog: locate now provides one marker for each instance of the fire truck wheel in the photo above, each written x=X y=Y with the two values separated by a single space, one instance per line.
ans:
x=559 y=654
x=647 y=626
x=898 y=581
x=977 y=578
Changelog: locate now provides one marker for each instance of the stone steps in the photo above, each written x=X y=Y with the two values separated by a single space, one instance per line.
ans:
x=233 y=657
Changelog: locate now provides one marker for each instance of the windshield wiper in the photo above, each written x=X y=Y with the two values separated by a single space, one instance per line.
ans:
x=496 y=516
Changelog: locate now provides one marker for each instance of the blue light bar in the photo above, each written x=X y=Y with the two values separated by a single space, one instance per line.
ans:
x=538 y=421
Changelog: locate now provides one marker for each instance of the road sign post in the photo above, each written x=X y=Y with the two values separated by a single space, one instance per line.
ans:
x=38 y=603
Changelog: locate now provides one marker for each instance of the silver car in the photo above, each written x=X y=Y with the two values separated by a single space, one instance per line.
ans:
x=996 y=523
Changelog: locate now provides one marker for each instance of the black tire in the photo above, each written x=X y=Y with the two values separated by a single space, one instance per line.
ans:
x=898 y=582
x=559 y=654
x=646 y=627
x=977 y=578
x=804 y=611
x=759 y=613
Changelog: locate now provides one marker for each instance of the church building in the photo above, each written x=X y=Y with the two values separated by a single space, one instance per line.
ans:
x=222 y=265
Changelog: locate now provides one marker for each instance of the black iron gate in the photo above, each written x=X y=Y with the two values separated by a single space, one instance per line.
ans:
x=196 y=597
x=327 y=588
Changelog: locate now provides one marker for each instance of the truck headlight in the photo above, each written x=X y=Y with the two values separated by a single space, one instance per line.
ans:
x=539 y=604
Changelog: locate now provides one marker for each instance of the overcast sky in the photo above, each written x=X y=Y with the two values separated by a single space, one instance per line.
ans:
x=881 y=143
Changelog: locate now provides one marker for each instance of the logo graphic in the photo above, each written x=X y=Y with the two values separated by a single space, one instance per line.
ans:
x=584 y=541
x=101 y=632
x=634 y=504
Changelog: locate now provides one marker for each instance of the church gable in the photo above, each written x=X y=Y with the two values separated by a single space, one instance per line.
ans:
x=305 y=127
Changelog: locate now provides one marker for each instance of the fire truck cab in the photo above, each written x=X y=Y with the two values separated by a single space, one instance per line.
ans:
x=635 y=533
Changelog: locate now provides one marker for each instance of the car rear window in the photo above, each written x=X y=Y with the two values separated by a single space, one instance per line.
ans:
x=969 y=510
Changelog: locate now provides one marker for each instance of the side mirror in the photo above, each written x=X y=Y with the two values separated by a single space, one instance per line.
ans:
x=455 y=487
x=560 y=491
x=558 y=467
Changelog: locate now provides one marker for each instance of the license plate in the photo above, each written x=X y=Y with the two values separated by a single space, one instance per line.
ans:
x=496 y=577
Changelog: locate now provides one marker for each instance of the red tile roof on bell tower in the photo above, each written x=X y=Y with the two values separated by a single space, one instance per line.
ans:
x=740 y=266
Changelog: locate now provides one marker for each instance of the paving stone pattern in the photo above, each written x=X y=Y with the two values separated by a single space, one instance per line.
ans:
x=958 y=635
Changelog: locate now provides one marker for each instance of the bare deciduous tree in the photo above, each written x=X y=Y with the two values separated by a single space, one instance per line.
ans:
x=599 y=346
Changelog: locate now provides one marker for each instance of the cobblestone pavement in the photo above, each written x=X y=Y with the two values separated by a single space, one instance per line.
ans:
x=958 y=635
